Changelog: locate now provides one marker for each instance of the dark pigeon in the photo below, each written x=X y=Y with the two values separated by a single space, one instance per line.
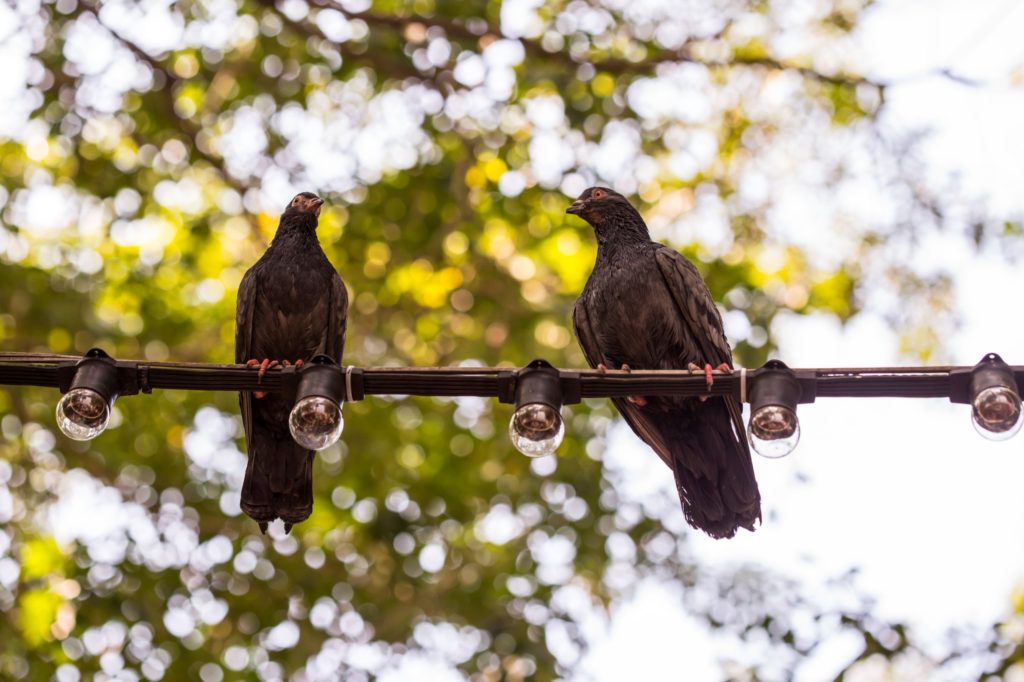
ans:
x=292 y=305
x=646 y=307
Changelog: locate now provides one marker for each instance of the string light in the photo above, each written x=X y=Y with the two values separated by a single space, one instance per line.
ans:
x=316 y=421
x=990 y=388
x=536 y=427
x=995 y=401
x=774 y=429
x=84 y=410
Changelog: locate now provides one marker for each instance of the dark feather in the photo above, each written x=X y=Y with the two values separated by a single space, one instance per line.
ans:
x=646 y=306
x=292 y=305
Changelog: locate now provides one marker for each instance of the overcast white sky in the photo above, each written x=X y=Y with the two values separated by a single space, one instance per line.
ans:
x=906 y=490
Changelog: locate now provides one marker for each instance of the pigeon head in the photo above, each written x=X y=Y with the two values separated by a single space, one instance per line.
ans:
x=305 y=203
x=598 y=203
x=609 y=213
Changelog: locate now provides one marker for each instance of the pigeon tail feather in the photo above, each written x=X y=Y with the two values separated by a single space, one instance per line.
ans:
x=713 y=469
x=278 y=477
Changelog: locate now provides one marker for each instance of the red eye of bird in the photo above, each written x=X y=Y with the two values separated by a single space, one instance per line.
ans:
x=597 y=194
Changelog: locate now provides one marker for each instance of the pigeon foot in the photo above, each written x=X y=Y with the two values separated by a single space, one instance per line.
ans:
x=708 y=376
x=696 y=369
x=638 y=400
x=263 y=366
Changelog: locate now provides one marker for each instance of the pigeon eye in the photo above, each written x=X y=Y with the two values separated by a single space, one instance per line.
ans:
x=598 y=194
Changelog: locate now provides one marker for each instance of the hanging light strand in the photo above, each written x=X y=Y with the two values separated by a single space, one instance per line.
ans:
x=34 y=369
x=92 y=383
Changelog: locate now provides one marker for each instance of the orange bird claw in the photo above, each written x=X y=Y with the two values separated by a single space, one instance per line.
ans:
x=637 y=400
x=263 y=367
x=708 y=369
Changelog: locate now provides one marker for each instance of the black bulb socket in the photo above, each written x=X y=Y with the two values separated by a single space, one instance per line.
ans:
x=990 y=373
x=96 y=371
x=774 y=384
x=321 y=377
x=539 y=382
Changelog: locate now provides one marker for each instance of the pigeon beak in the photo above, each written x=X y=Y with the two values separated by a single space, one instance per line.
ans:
x=317 y=203
x=576 y=208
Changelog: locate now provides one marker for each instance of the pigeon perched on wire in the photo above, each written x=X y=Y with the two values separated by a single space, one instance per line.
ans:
x=292 y=305
x=645 y=306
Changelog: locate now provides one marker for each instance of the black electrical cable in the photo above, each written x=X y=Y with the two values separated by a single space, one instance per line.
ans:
x=42 y=369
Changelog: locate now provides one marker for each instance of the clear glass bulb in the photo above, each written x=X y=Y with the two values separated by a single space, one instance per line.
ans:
x=316 y=422
x=82 y=414
x=536 y=429
x=774 y=431
x=996 y=413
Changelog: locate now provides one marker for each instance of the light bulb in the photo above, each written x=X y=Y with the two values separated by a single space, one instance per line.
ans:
x=82 y=414
x=996 y=413
x=774 y=431
x=316 y=422
x=536 y=429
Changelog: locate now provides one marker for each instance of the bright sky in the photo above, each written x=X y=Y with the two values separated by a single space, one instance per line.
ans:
x=905 y=490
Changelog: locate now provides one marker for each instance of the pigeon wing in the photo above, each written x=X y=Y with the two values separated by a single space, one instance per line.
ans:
x=640 y=423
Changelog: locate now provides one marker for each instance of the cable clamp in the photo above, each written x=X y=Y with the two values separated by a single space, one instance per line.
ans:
x=743 y=385
x=144 y=386
x=348 y=384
